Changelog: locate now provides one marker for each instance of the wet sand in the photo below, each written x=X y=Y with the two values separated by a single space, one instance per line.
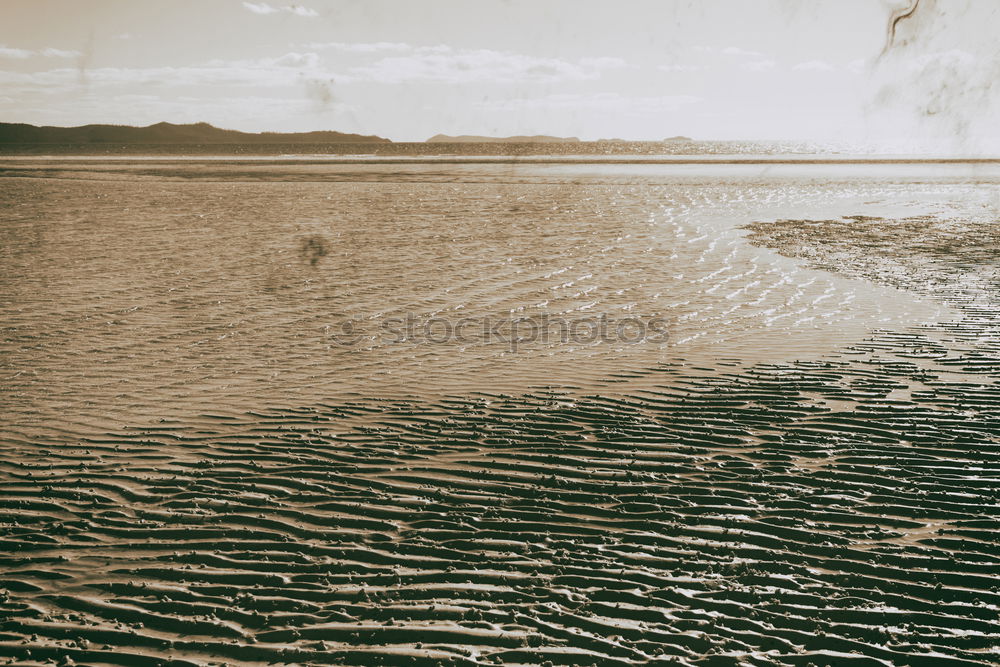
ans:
x=841 y=511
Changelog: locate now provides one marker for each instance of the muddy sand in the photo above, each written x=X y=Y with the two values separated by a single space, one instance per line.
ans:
x=837 y=512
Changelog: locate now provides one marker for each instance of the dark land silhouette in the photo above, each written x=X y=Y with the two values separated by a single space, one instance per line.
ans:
x=470 y=138
x=167 y=133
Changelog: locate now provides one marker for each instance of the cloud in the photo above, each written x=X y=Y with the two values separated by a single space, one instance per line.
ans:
x=20 y=54
x=814 y=66
x=268 y=72
x=755 y=61
x=299 y=10
x=309 y=60
x=736 y=51
x=60 y=53
x=434 y=64
x=263 y=8
x=392 y=64
x=260 y=8
x=277 y=71
x=442 y=64
x=263 y=70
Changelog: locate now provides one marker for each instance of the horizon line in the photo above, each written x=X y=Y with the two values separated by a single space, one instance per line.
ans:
x=568 y=139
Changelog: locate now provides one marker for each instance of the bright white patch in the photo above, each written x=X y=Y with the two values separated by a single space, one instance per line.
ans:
x=20 y=54
x=295 y=60
x=260 y=7
x=736 y=51
x=60 y=53
x=299 y=10
x=264 y=8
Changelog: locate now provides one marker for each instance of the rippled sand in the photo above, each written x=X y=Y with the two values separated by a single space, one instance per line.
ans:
x=196 y=470
x=154 y=288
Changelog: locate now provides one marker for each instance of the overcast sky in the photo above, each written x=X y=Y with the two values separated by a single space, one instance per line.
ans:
x=407 y=69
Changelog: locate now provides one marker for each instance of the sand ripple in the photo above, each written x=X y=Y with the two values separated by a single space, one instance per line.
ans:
x=836 y=511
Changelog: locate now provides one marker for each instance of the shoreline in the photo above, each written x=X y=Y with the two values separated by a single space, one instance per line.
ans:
x=512 y=159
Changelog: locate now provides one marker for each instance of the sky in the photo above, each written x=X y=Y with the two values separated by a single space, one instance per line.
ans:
x=821 y=70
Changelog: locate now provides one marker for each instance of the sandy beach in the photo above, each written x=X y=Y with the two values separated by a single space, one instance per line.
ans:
x=723 y=504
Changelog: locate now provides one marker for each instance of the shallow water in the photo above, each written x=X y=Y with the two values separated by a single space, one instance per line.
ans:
x=140 y=289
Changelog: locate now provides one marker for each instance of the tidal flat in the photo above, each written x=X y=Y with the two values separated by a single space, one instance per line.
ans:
x=198 y=467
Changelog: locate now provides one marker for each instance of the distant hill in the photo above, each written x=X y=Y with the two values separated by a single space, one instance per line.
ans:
x=473 y=139
x=167 y=133
x=678 y=138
